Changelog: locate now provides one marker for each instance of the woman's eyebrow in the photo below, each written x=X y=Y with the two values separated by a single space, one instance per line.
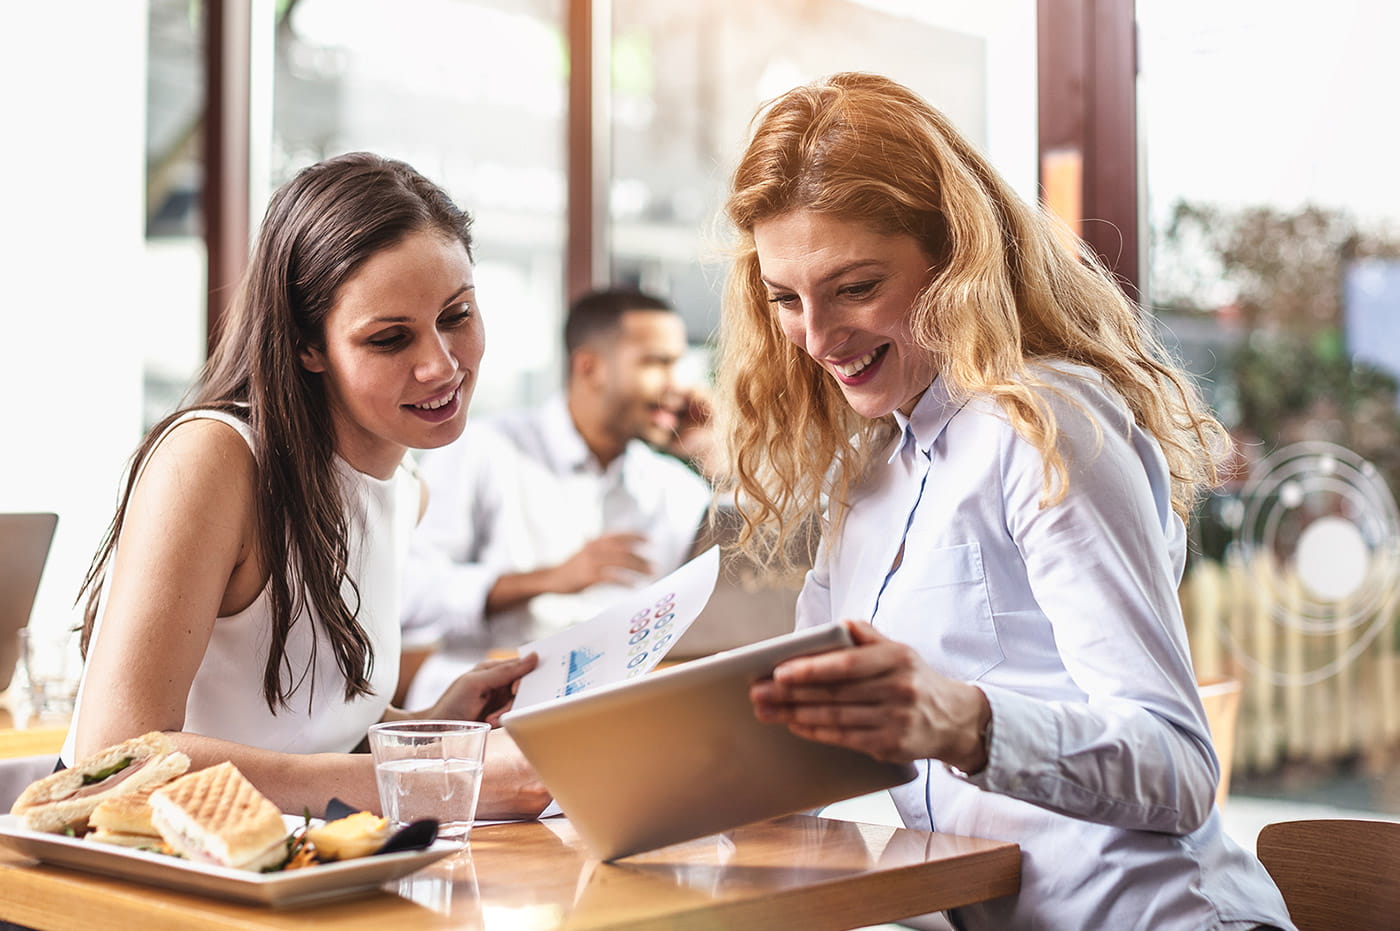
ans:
x=831 y=275
x=458 y=296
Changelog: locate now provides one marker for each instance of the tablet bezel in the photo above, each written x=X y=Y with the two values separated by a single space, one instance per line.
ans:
x=629 y=783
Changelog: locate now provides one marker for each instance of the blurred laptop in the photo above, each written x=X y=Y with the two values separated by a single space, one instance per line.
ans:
x=745 y=607
x=24 y=548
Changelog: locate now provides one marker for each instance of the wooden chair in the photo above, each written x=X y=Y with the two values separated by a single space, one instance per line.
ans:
x=1221 y=697
x=1335 y=873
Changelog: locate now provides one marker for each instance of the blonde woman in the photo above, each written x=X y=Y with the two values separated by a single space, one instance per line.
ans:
x=1004 y=460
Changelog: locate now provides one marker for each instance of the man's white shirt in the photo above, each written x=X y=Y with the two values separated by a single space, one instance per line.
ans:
x=518 y=492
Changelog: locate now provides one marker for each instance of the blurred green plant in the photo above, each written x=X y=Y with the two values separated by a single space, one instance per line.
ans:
x=1285 y=378
x=1272 y=279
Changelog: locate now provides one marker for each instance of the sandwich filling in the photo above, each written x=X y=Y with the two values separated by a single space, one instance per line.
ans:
x=217 y=816
x=62 y=802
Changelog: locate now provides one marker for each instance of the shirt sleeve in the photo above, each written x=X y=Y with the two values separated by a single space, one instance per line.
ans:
x=680 y=517
x=814 y=601
x=1103 y=565
x=445 y=582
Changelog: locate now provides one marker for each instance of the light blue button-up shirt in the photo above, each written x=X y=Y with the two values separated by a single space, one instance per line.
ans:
x=1067 y=617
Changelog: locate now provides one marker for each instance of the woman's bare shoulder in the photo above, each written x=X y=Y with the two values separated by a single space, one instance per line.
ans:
x=203 y=457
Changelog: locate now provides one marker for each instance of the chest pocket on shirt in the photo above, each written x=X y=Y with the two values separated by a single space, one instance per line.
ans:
x=937 y=602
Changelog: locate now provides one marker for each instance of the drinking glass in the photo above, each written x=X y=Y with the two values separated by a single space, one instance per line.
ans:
x=430 y=769
x=51 y=667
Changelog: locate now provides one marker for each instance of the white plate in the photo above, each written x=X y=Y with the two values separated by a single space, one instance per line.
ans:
x=292 y=887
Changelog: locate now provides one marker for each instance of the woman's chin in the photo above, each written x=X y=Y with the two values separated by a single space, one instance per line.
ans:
x=869 y=404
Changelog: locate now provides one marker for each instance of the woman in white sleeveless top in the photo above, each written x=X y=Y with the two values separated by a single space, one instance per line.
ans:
x=246 y=597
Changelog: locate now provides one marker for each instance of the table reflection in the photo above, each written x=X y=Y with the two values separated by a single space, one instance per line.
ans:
x=791 y=872
x=540 y=875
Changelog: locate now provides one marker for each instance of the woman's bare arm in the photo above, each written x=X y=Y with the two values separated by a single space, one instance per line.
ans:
x=186 y=552
x=187 y=556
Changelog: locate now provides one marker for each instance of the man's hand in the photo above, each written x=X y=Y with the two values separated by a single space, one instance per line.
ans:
x=613 y=557
x=694 y=440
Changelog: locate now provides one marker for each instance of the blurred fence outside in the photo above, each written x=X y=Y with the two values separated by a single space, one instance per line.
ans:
x=1287 y=711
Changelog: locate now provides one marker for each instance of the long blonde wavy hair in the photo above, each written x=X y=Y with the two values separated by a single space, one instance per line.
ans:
x=1006 y=292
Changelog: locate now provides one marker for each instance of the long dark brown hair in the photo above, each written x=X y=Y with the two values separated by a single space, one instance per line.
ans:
x=320 y=228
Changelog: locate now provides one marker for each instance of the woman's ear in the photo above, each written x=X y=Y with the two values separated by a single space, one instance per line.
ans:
x=312 y=359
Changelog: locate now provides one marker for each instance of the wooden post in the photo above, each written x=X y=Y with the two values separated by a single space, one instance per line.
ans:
x=1265 y=730
x=228 y=34
x=1204 y=608
x=589 y=136
x=1344 y=693
x=1088 y=123
x=1296 y=728
x=1383 y=699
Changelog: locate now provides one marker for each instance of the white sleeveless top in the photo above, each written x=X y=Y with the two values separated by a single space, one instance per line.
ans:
x=226 y=699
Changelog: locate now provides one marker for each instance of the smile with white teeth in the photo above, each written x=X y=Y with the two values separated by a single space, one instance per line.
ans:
x=433 y=405
x=852 y=369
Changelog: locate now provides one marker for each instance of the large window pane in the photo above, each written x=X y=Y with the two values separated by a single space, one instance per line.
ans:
x=175 y=259
x=472 y=93
x=1274 y=268
x=686 y=81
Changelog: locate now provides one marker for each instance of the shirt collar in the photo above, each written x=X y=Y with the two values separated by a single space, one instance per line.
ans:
x=928 y=419
x=566 y=449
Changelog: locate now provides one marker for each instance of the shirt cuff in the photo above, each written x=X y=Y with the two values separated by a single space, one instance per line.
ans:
x=1020 y=729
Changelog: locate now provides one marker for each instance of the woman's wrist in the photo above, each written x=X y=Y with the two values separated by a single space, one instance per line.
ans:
x=974 y=755
x=395 y=713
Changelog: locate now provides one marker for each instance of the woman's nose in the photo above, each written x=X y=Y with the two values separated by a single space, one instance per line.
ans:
x=818 y=333
x=438 y=362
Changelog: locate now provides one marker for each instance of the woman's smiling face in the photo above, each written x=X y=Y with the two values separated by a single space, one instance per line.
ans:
x=843 y=294
x=402 y=347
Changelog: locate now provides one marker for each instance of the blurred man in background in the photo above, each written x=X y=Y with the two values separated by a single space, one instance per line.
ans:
x=539 y=518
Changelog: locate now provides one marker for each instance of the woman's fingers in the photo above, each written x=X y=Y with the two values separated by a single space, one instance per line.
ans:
x=486 y=691
x=880 y=743
x=833 y=715
x=869 y=729
x=877 y=697
x=873 y=655
x=863 y=632
x=494 y=673
x=883 y=689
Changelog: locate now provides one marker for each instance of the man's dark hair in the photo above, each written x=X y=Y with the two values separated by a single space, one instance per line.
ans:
x=600 y=312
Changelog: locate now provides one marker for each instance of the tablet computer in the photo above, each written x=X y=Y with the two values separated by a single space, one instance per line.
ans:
x=678 y=754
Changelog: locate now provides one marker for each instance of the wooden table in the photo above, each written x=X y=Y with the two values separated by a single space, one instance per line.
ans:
x=794 y=872
x=29 y=737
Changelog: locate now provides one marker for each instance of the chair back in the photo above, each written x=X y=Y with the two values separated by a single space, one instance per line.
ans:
x=1220 y=695
x=1335 y=873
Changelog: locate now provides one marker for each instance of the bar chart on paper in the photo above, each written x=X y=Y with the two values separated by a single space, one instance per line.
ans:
x=580 y=659
x=625 y=640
